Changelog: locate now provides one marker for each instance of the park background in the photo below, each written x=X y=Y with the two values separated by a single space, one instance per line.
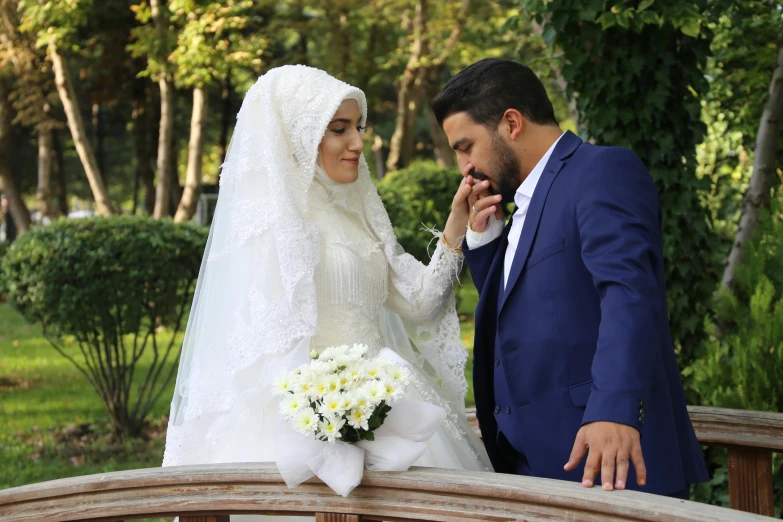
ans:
x=115 y=117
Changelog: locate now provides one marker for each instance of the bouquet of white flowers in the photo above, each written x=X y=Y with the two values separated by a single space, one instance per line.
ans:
x=343 y=411
x=340 y=394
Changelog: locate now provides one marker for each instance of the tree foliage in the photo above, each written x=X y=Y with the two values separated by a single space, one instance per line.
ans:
x=637 y=71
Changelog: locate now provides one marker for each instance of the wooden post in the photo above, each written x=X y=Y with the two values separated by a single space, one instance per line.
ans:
x=205 y=518
x=750 y=480
x=337 y=517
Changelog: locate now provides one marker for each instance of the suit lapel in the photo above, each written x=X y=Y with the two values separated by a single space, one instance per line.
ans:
x=494 y=268
x=565 y=147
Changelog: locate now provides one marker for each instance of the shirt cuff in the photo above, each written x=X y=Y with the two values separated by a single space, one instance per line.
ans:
x=476 y=240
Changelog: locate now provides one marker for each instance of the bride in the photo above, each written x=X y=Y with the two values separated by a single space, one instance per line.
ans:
x=301 y=256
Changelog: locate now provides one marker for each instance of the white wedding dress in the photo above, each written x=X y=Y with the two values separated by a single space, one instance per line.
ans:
x=307 y=265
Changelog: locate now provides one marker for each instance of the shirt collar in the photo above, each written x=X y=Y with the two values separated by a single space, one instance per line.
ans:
x=526 y=189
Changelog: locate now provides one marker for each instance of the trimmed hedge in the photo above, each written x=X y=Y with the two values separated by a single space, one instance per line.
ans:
x=109 y=284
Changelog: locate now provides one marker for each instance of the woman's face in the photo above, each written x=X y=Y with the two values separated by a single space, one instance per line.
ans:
x=342 y=144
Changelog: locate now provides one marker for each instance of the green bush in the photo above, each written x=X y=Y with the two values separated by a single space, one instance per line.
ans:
x=3 y=282
x=417 y=196
x=107 y=285
x=741 y=361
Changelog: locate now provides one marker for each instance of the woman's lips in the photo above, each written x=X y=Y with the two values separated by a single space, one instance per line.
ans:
x=354 y=161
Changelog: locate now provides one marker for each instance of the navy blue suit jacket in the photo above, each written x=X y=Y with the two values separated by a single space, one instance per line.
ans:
x=582 y=325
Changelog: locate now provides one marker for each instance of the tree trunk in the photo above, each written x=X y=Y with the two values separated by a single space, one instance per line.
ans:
x=198 y=120
x=103 y=204
x=380 y=165
x=401 y=144
x=44 y=194
x=165 y=150
x=175 y=190
x=444 y=155
x=225 y=117
x=145 y=173
x=98 y=139
x=16 y=207
x=59 y=170
x=166 y=139
x=562 y=85
x=762 y=179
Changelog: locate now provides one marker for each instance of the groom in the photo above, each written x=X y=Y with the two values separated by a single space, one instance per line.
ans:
x=573 y=353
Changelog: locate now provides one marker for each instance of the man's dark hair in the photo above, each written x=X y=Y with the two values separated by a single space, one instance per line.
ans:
x=488 y=88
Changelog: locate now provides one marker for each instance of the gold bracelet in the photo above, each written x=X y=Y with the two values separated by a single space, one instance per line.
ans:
x=458 y=250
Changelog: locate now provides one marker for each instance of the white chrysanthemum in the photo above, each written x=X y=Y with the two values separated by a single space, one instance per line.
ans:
x=332 y=405
x=376 y=392
x=342 y=361
x=293 y=404
x=306 y=422
x=321 y=368
x=320 y=385
x=355 y=372
x=334 y=351
x=358 y=350
x=361 y=401
x=329 y=429
x=333 y=383
x=346 y=382
x=393 y=389
x=358 y=419
x=375 y=370
x=283 y=385
x=398 y=374
x=349 y=400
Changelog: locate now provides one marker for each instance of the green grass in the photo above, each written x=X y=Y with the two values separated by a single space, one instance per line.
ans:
x=52 y=423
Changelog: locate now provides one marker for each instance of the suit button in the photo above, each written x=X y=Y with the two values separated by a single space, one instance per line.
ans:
x=508 y=410
x=497 y=362
x=497 y=409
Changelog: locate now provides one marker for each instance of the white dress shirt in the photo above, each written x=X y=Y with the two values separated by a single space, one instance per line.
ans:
x=522 y=199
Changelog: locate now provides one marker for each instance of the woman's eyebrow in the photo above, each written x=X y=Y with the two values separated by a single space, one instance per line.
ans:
x=341 y=120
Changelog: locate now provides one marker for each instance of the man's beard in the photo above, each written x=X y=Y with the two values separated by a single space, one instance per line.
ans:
x=506 y=168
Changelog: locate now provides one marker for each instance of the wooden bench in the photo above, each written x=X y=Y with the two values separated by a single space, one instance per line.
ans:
x=751 y=437
x=212 y=492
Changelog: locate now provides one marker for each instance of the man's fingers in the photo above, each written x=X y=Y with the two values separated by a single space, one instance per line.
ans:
x=622 y=469
x=591 y=467
x=607 y=467
x=478 y=191
x=480 y=222
x=577 y=452
x=638 y=463
x=484 y=203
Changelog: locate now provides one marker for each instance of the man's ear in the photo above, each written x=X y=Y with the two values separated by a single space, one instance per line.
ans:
x=512 y=123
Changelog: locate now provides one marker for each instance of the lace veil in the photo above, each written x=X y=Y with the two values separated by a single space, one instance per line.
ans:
x=254 y=309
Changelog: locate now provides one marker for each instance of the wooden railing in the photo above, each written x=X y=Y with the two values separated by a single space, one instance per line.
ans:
x=211 y=493
x=751 y=437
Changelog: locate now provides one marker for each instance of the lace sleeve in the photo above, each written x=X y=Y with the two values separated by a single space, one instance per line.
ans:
x=424 y=292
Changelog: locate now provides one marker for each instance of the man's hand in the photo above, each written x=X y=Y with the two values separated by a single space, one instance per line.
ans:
x=483 y=206
x=609 y=446
x=471 y=204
